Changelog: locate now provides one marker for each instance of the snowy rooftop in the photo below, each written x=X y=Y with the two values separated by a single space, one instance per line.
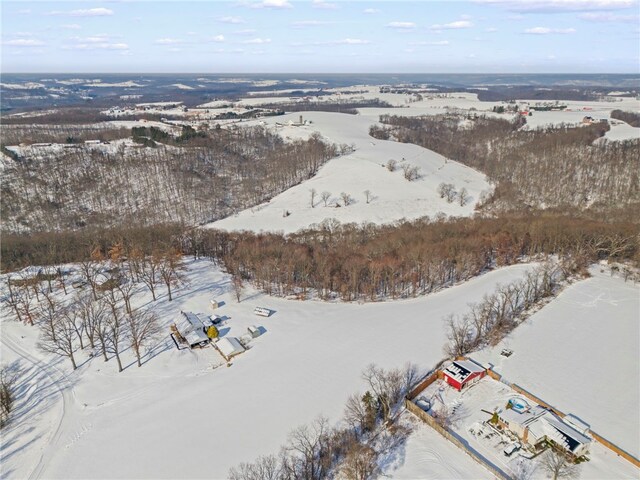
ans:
x=230 y=346
x=461 y=369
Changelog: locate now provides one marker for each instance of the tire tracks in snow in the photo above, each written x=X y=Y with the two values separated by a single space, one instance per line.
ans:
x=60 y=383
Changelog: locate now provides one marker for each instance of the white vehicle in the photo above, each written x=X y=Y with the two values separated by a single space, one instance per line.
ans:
x=510 y=449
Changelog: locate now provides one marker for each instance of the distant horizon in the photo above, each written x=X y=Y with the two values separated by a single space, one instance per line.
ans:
x=320 y=73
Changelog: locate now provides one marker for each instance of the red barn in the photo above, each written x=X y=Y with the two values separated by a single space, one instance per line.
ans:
x=462 y=373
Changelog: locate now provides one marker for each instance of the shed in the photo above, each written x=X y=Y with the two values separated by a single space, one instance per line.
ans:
x=462 y=373
x=229 y=347
x=254 y=331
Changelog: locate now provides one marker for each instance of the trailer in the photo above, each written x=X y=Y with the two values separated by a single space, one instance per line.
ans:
x=263 y=312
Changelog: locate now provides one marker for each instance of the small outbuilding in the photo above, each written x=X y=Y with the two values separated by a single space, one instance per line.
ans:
x=462 y=373
x=229 y=347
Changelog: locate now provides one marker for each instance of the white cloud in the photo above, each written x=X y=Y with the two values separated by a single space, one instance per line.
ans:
x=547 y=30
x=323 y=4
x=71 y=26
x=608 y=17
x=351 y=41
x=440 y=43
x=168 y=41
x=271 y=4
x=25 y=11
x=402 y=25
x=491 y=29
x=218 y=38
x=233 y=20
x=85 y=12
x=452 y=25
x=23 y=42
x=246 y=31
x=98 y=46
x=308 y=23
x=257 y=41
x=370 y=11
x=559 y=6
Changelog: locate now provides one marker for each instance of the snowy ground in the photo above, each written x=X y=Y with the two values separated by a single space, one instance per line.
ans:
x=580 y=353
x=393 y=197
x=428 y=455
x=177 y=417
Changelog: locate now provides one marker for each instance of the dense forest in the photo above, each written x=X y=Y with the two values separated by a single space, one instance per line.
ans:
x=194 y=177
x=549 y=167
x=355 y=261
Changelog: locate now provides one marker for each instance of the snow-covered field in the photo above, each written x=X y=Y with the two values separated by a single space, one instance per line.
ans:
x=176 y=417
x=580 y=353
x=393 y=197
x=428 y=455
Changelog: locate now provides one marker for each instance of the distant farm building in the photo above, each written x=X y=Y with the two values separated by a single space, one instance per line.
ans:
x=462 y=373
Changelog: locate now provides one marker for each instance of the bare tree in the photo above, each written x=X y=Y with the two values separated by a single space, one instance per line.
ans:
x=448 y=191
x=12 y=300
x=524 y=469
x=392 y=164
x=458 y=334
x=558 y=465
x=150 y=271
x=90 y=270
x=126 y=287
x=76 y=320
x=313 y=197
x=309 y=445
x=359 y=462
x=58 y=338
x=264 y=468
x=238 y=285
x=8 y=380
x=325 y=196
x=463 y=196
x=410 y=172
x=142 y=326
x=356 y=414
x=171 y=270
x=115 y=333
x=346 y=199
x=60 y=277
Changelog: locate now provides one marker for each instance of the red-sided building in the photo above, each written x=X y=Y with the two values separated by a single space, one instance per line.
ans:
x=462 y=373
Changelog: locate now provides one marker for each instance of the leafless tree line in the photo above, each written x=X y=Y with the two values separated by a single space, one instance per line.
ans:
x=488 y=321
x=98 y=312
x=350 y=450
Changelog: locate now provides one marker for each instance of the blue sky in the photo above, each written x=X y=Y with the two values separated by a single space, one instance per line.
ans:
x=272 y=36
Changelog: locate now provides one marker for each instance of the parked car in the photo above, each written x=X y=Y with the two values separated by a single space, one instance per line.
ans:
x=423 y=403
x=510 y=449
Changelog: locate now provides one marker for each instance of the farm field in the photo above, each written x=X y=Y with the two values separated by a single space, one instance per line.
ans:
x=392 y=196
